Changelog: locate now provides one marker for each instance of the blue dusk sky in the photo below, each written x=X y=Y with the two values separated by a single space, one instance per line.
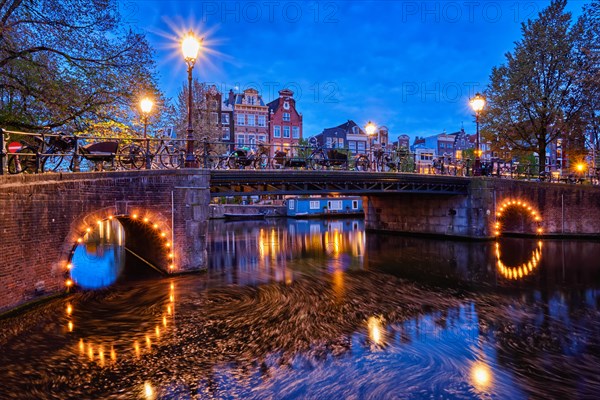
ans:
x=409 y=65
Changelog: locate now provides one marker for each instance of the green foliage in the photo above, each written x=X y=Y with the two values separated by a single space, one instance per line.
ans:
x=64 y=63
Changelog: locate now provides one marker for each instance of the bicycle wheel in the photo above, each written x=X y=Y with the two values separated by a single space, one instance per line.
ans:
x=317 y=161
x=23 y=161
x=232 y=162
x=361 y=163
x=131 y=157
x=55 y=162
x=171 y=157
x=262 y=161
x=210 y=160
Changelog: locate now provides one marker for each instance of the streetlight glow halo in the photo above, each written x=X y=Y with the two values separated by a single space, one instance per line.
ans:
x=146 y=105
x=370 y=128
x=477 y=102
x=190 y=46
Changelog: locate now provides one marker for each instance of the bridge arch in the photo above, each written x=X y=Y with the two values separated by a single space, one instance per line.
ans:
x=148 y=236
x=519 y=271
x=517 y=216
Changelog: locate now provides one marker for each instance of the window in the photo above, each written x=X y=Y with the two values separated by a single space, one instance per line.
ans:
x=352 y=146
x=291 y=204
x=262 y=138
x=361 y=146
x=214 y=118
x=277 y=131
x=251 y=100
x=286 y=131
x=314 y=205
x=355 y=204
x=213 y=104
x=225 y=119
x=295 y=132
x=240 y=139
x=334 y=205
x=442 y=145
x=286 y=117
x=225 y=134
x=251 y=140
x=262 y=120
x=250 y=120
x=241 y=119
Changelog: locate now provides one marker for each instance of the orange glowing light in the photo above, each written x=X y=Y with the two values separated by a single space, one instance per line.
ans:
x=134 y=216
x=70 y=326
x=145 y=219
x=69 y=283
x=69 y=309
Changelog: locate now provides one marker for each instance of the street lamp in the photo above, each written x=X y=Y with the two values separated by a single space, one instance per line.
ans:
x=190 y=47
x=370 y=128
x=146 y=106
x=477 y=104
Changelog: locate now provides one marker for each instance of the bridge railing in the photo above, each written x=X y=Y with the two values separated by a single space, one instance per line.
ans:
x=23 y=152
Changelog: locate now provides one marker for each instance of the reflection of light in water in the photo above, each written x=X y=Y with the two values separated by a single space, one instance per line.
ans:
x=375 y=330
x=98 y=261
x=481 y=376
x=148 y=390
x=522 y=270
x=88 y=344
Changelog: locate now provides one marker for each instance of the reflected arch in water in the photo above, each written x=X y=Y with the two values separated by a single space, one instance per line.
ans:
x=144 y=235
x=517 y=216
x=522 y=270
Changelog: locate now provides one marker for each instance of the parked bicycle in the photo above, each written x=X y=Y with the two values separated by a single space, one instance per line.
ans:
x=247 y=157
x=322 y=158
x=282 y=160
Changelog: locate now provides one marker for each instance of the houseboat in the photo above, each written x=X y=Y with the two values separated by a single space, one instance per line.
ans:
x=308 y=207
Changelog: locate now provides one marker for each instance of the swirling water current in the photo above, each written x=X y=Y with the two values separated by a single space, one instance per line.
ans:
x=324 y=310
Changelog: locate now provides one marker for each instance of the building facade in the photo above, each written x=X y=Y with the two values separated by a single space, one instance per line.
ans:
x=250 y=117
x=285 y=122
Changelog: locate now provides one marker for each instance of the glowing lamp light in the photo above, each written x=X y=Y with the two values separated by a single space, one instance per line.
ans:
x=370 y=128
x=580 y=167
x=145 y=219
x=190 y=47
x=69 y=283
x=134 y=216
x=155 y=226
x=146 y=105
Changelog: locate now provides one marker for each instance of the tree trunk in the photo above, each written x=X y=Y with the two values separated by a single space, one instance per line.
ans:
x=542 y=156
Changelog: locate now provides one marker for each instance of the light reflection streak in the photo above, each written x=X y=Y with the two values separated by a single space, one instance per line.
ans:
x=522 y=270
x=95 y=352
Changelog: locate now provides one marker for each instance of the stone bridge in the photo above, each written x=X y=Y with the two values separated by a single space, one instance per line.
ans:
x=165 y=213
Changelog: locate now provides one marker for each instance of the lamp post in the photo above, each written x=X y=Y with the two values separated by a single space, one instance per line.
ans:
x=146 y=106
x=477 y=104
x=370 y=128
x=190 y=47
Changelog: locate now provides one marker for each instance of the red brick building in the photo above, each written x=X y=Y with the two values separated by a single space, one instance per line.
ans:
x=285 y=122
x=250 y=117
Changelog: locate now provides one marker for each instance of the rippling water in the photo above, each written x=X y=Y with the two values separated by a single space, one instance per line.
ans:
x=318 y=310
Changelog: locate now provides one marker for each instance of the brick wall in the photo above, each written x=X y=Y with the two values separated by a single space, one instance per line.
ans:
x=564 y=209
x=41 y=217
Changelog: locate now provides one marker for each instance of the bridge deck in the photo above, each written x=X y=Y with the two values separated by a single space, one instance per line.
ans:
x=241 y=182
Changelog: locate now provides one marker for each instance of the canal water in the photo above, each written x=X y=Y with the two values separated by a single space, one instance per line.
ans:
x=318 y=310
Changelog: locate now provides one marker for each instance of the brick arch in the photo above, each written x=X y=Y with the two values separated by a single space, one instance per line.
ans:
x=148 y=236
x=517 y=207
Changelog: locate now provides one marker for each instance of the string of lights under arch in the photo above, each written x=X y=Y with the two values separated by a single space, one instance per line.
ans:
x=520 y=205
x=159 y=230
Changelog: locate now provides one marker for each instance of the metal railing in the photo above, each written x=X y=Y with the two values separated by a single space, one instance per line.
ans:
x=22 y=152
